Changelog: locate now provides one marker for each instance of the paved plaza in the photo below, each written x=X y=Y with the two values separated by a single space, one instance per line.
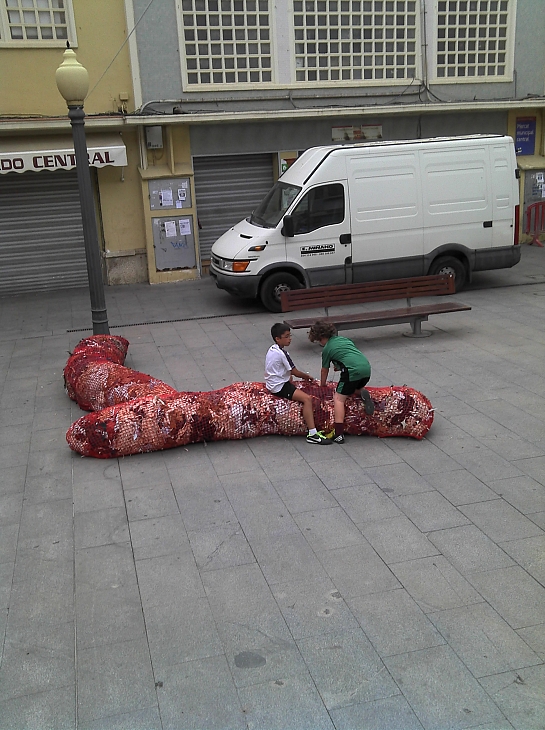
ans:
x=270 y=584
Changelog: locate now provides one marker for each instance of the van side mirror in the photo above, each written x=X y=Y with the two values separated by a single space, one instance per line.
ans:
x=288 y=229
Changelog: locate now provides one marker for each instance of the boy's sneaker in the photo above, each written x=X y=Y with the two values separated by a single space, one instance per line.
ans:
x=318 y=438
x=340 y=439
x=368 y=404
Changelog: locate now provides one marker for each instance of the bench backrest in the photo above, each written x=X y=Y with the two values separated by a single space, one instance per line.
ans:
x=373 y=291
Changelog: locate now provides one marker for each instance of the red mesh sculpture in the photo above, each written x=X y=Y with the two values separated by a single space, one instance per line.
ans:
x=135 y=413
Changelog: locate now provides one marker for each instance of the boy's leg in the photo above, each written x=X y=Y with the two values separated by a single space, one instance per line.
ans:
x=339 y=411
x=364 y=394
x=308 y=413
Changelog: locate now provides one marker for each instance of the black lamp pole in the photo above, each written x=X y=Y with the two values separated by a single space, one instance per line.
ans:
x=90 y=235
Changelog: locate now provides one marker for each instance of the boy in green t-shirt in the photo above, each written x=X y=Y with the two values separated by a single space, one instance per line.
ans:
x=354 y=366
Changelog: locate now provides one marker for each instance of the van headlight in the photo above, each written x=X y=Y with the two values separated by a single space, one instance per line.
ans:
x=227 y=265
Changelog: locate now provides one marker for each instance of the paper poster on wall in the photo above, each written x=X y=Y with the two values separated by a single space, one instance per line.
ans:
x=166 y=198
x=170 y=229
x=525 y=135
x=182 y=193
x=185 y=226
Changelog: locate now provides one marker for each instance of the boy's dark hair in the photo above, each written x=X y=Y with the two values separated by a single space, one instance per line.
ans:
x=321 y=329
x=278 y=329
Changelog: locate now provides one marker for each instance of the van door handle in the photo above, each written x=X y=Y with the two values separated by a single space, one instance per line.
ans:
x=487 y=224
x=345 y=238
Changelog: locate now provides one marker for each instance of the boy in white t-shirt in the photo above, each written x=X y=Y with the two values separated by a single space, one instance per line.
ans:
x=279 y=369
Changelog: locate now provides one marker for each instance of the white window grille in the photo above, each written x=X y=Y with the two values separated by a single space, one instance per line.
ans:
x=474 y=39
x=36 y=22
x=226 y=41
x=355 y=40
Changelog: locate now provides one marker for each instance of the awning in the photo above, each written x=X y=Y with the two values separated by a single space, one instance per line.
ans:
x=24 y=154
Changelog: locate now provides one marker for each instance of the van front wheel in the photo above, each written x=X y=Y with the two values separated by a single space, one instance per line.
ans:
x=273 y=287
x=450 y=265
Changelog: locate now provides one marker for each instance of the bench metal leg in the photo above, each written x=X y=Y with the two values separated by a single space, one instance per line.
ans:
x=416 y=329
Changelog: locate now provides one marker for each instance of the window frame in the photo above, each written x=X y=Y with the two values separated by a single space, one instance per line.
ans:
x=432 y=30
x=310 y=215
x=7 y=42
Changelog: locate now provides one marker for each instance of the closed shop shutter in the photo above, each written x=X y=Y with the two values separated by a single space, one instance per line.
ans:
x=41 y=235
x=227 y=190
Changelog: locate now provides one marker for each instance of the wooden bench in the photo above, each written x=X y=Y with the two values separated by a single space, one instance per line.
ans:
x=374 y=291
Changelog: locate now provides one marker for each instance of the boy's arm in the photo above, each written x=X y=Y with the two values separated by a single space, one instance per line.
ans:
x=324 y=372
x=301 y=374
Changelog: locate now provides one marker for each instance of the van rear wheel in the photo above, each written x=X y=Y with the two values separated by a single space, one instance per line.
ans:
x=273 y=287
x=450 y=265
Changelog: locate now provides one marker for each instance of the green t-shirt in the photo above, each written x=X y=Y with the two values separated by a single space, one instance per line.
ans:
x=344 y=355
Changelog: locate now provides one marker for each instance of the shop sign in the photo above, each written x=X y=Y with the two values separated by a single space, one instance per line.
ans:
x=65 y=159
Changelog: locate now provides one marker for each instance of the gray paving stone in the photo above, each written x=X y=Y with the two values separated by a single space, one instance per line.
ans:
x=370 y=452
x=101 y=527
x=397 y=539
x=99 y=568
x=36 y=658
x=181 y=695
x=148 y=719
x=11 y=506
x=168 y=578
x=483 y=640
x=13 y=480
x=313 y=608
x=108 y=616
x=337 y=473
x=95 y=470
x=204 y=508
x=486 y=465
x=220 y=547
x=534 y=636
x=520 y=696
x=424 y=456
x=159 y=536
x=181 y=631
x=327 y=529
x=440 y=689
x=534 y=468
x=40 y=604
x=249 y=486
x=231 y=457
x=385 y=714
x=394 y=623
x=148 y=502
x=430 y=511
x=469 y=549
x=46 y=518
x=357 y=570
x=54 y=708
x=302 y=495
x=8 y=543
x=366 y=503
x=460 y=487
x=286 y=702
x=114 y=679
x=523 y=493
x=398 y=479
x=46 y=488
x=516 y=596
x=530 y=554
x=287 y=559
x=501 y=522
x=346 y=669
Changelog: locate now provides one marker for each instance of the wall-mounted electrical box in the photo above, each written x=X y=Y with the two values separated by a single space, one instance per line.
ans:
x=174 y=243
x=169 y=193
x=154 y=138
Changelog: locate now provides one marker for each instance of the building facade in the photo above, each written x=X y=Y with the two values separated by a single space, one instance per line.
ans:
x=214 y=98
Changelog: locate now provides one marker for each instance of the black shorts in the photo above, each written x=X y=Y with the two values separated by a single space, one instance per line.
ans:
x=349 y=387
x=286 y=391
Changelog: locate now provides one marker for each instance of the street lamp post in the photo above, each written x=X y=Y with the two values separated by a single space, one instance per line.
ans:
x=73 y=84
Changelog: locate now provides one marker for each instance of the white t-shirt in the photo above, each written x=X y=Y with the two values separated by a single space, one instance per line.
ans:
x=277 y=368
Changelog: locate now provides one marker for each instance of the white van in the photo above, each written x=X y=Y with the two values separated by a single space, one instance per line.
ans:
x=377 y=210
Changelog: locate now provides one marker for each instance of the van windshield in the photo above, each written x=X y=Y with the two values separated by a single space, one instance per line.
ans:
x=273 y=206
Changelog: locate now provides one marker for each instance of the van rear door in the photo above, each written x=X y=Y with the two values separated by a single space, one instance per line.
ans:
x=386 y=204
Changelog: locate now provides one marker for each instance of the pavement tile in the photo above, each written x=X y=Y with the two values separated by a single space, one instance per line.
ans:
x=460 y=487
x=394 y=623
x=158 y=536
x=6 y=581
x=486 y=465
x=346 y=669
x=114 y=679
x=204 y=508
x=13 y=480
x=288 y=559
x=101 y=527
x=286 y=702
x=523 y=493
x=519 y=695
x=181 y=631
x=397 y=539
x=515 y=595
x=370 y=452
x=147 y=502
x=302 y=495
x=54 y=708
x=398 y=479
x=386 y=714
x=168 y=578
x=484 y=642
x=311 y=608
x=337 y=473
x=468 y=549
x=47 y=488
x=108 y=616
x=46 y=518
x=40 y=604
x=181 y=695
x=148 y=719
x=501 y=522
x=231 y=457
x=366 y=503
x=8 y=543
x=357 y=570
x=534 y=636
x=530 y=554
x=534 y=468
x=441 y=691
x=430 y=511
x=105 y=566
x=424 y=456
x=327 y=529
x=10 y=509
x=220 y=547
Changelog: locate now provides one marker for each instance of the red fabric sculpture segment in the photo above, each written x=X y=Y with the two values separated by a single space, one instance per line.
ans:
x=135 y=413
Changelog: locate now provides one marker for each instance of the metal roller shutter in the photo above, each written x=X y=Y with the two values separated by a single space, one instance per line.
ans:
x=227 y=190
x=41 y=236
